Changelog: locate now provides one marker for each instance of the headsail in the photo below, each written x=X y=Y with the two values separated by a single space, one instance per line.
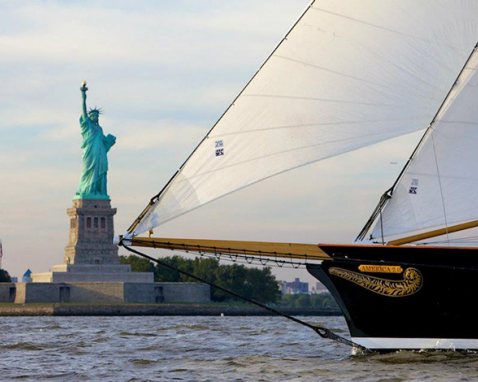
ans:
x=439 y=186
x=345 y=76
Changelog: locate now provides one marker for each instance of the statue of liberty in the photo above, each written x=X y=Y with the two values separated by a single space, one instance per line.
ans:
x=95 y=148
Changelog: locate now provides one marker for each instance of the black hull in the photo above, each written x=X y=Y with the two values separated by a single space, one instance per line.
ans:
x=404 y=297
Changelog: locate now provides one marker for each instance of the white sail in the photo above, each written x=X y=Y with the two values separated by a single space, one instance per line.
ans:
x=439 y=187
x=347 y=75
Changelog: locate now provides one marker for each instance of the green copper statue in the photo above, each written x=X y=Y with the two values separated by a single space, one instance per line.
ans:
x=95 y=147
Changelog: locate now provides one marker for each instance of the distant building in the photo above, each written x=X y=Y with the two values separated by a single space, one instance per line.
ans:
x=27 y=276
x=294 y=287
x=319 y=288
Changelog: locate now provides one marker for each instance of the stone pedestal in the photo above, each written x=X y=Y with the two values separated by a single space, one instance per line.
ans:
x=92 y=273
x=90 y=255
x=91 y=233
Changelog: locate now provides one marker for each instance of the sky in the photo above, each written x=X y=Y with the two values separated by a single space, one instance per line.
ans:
x=163 y=72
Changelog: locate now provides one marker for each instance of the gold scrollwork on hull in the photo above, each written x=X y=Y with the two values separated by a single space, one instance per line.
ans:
x=410 y=284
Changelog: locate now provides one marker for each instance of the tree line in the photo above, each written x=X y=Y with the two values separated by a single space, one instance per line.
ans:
x=4 y=276
x=253 y=283
x=320 y=300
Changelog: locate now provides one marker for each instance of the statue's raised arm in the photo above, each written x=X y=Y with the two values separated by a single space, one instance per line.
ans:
x=84 y=89
x=95 y=147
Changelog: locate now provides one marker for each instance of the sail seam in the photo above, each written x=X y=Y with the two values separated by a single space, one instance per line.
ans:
x=400 y=33
x=318 y=124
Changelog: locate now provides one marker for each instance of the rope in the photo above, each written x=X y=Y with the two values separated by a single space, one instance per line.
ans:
x=321 y=331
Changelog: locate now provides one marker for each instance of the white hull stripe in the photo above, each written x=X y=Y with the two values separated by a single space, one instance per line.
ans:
x=416 y=343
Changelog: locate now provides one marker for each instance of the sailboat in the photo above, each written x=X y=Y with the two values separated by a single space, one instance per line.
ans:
x=344 y=77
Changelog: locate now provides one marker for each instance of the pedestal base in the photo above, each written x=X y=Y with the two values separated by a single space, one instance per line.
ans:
x=91 y=233
x=67 y=273
x=104 y=293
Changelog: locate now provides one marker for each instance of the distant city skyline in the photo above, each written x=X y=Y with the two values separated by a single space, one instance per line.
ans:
x=163 y=73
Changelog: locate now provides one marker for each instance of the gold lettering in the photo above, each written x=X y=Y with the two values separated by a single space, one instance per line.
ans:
x=380 y=268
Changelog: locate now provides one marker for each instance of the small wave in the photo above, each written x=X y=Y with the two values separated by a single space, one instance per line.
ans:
x=189 y=327
x=142 y=362
x=138 y=334
x=23 y=346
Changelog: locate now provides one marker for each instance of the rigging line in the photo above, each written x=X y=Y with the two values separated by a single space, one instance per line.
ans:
x=381 y=226
x=287 y=264
x=153 y=201
x=376 y=212
x=440 y=185
x=320 y=330
x=243 y=252
x=244 y=259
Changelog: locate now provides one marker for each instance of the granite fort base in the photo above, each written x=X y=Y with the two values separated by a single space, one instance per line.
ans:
x=92 y=273
x=104 y=293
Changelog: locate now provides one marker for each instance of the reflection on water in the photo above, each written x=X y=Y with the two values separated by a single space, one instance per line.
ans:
x=204 y=349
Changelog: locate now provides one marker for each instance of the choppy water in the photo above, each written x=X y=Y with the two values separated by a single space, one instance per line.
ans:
x=203 y=349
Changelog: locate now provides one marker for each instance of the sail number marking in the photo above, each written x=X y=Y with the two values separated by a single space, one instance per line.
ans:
x=219 y=147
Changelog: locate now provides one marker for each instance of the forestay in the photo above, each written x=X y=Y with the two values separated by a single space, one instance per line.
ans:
x=348 y=74
x=439 y=187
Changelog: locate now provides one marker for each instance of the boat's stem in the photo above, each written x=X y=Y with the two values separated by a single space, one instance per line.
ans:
x=321 y=331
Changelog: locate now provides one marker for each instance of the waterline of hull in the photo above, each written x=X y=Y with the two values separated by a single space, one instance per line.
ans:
x=382 y=343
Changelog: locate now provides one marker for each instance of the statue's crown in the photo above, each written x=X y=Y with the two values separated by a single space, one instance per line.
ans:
x=95 y=110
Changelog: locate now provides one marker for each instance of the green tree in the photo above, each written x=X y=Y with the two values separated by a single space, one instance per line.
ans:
x=206 y=269
x=138 y=264
x=261 y=285
x=258 y=284
x=4 y=276
x=302 y=301
x=231 y=277
x=165 y=274
x=321 y=300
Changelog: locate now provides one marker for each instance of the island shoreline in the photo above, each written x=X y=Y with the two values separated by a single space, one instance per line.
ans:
x=10 y=309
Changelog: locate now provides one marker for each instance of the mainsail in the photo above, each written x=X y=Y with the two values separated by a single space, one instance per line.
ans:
x=439 y=186
x=345 y=76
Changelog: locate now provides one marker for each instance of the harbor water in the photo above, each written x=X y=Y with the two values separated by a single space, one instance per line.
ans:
x=154 y=348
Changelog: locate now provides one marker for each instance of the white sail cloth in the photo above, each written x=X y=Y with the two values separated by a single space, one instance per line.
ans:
x=347 y=75
x=439 y=187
